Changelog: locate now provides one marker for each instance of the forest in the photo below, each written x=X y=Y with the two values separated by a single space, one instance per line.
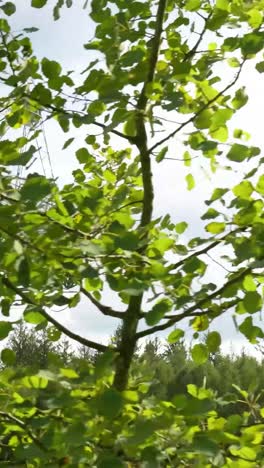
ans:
x=131 y=233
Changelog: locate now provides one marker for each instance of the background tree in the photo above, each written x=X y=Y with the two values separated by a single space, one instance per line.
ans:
x=35 y=348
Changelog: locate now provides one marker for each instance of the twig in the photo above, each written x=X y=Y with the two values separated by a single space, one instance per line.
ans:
x=73 y=113
x=205 y=106
x=190 y=312
x=191 y=52
x=103 y=308
x=206 y=249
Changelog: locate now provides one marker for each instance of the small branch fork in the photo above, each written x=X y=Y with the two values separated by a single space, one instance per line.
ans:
x=191 y=311
x=206 y=249
x=193 y=51
x=105 y=310
x=50 y=319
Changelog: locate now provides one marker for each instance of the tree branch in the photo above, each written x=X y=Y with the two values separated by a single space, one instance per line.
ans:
x=191 y=310
x=191 y=119
x=59 y=326
x=197 y=314
x=71 y=114
x=155 y=45
x=206 y=249
x=103 y=308
x=191 y=52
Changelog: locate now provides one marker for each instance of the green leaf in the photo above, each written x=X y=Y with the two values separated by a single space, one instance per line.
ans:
x=252 y=43
x=4 y=26
x=180 y=228
x=69 y=373
x=203 y=444
x=130 y=395
x=240 y=98
x=200 y=323
x=5 y=329
x=163 y=244
x=24 y=272
x=213 y=341
x=215 y=228
x=8 y=8
x=96 y=108
x=260 y=185
x=252 y=302
x=199 y=353
x=222 y=4
x=42 y=94
x=217 y=194
x=35 y=381
x=211 y=213
x=130 y=128
x=247 y=453
x=5 y=307
x=158 y=311
x=161 y=155
x=53 y=334
x=31 y=30
x=109 y=461
x=175 y=336
x=233 y=62
x=251 y=332
x=109 y=404
x=8 y=357
x=194 y=264
x=127 y=241
x=64 y=122
x=249 y=283
x=243 y=190
x=260 y=67
x=238 y=153
x=104 y=363
x=220 y=134
x=241 y=134
x=219 y=118
x=255 y=18
x=190 y=181
x=33 y=316
x=192 y=5
x=83 y=155
x=203 y=120
x=35 y=188
x=38 y=3
x=19 y=159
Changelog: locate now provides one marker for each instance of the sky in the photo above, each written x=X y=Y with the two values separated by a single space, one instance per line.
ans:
x=62 y=41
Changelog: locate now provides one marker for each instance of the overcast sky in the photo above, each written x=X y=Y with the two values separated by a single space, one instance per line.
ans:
x=62 y=41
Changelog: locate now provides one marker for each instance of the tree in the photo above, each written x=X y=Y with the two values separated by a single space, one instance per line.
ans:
x=61 y=244
x=31 y=348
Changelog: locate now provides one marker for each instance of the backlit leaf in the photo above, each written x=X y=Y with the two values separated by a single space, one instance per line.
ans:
x=190 y=181
x=199 y=353
x=175 y=336
x=215 y=228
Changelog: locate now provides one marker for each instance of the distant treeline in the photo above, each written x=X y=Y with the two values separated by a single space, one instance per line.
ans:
x=169 y=369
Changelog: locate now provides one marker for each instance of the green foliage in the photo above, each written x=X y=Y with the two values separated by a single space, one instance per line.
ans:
x=60 y=244
x=193 y=426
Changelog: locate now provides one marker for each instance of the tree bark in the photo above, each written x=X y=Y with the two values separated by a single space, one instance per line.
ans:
x=132 y=315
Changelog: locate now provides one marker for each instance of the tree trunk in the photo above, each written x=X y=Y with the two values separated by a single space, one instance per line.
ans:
x=128 y=343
